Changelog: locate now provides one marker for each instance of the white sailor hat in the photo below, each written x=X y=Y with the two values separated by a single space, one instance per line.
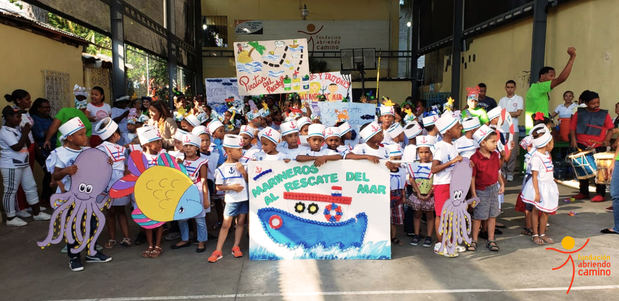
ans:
x=271 y=134
x=247 y=130
x=148 y=134
x=370 y=130
x=344 y=128
x=494 y=113
x=192 y=120
x=70 y=127
x=191 y=139
x=412 y=129
x=214 y=125
x=470 y=123
x=332 y=132
x=316 y=129
x=199 y=130
x=481 y=133
x=446 y=122
x=106 y=128
x=288 y=127
x=395 y=130
x=232 y=141
x=394 y=149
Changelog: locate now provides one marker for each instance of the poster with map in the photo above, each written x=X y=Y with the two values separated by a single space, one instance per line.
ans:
x=272 y=67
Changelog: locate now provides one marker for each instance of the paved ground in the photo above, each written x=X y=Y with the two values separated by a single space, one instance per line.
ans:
x=520 y=270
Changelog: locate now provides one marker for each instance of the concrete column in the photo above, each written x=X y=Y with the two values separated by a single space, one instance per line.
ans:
x=538 y=41
x=172 y=50
x=456 y=50
x=119 y=79
x=415 y=49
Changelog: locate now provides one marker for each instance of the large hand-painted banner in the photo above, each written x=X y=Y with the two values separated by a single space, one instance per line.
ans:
x=333 y=85
x=357 y=114
x=271 y=67
x=339 y=210
x=218 y=90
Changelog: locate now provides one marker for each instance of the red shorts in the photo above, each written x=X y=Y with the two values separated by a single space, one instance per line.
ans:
x=441 y=195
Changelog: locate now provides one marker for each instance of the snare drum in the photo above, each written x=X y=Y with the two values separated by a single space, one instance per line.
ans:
x=603 y=161
x=584 y=164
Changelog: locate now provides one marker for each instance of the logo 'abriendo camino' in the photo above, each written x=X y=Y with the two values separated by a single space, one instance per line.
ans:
x=588 y=265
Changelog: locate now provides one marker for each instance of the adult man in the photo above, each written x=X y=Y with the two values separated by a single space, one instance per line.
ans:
x=485 y=102
x=537 y=95
x=514 y=105
x=590 y=128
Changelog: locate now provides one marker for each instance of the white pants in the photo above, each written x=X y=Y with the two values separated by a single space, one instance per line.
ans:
x=12 y=178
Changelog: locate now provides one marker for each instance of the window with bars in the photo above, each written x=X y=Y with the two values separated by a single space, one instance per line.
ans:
x=215 y=31
x=57 y=89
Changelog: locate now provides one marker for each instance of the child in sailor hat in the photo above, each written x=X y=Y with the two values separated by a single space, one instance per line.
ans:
x=316 y=152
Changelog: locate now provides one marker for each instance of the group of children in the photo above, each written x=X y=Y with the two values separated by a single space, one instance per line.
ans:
x=419 y=151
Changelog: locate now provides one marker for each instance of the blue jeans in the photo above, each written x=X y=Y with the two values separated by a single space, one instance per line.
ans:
x=614 y=193
x=200 y=229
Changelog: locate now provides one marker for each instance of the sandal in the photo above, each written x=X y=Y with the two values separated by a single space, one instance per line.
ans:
x=492 y=246
x=537 y=240
x=156 y=252
x=526 y=231
x=126 y=242
x=147 y=252
x=472 y=247
x=546 y=239
x=110 y=243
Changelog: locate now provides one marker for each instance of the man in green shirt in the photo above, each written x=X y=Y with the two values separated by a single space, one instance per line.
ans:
x=537 y=95
x=64 y=115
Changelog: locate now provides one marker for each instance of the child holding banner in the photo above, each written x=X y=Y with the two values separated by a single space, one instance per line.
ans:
x=397 y=182
x=315 y=138
x=348 y=136
x=371 y=150
x=270 y=138
x=231 y=177
x=290 y=135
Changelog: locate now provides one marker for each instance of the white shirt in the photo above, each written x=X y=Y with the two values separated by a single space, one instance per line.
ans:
x=512 y=104
x=99 y=113
x=444 y=152
x=8 y=157
x=122 y=125
x=117 y=154
x=292 y=153
x=566 y=112
x=62 y=157
x=397 y=179
x=364 y=149
x=213 y=158
x=262 y=156
x=322 y=152
x=248 y=155
x=542 y=163
x=466 y=147
x=227 y=174
x=27 y=119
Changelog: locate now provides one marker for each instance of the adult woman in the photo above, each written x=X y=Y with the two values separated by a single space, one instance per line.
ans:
x=42 y=121
x=591 y=128
x=161 y=118
x=21 y=102
x=66 y=114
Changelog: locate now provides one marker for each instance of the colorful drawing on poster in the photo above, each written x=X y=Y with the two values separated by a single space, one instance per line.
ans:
x=335 y=211
x=333 y=85
x=74 y=209
x=455 y=223
x=271 y=67
x=221 y=90
x=357 y=114
x=163 y=192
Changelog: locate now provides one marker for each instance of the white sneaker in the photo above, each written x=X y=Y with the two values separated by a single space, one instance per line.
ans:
x=437 y=247
x=16 y=222
x=42 y=216
x=23 y=214
x=460 y=249
x=510 y=178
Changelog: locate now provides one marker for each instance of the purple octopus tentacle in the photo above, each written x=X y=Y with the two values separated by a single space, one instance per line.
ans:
x=100 y=224
x=79 y=221
x=70 y=226
x=62 y=222
x=86 y=213
x=52 y=224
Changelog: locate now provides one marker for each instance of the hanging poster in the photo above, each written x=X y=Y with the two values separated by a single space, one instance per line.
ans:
x=357 y=114
x=339 y=210
x=272 y=67
x=219 y=90
x=333 y=85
